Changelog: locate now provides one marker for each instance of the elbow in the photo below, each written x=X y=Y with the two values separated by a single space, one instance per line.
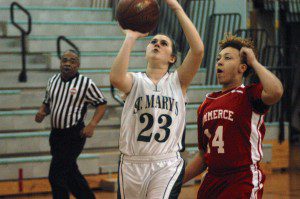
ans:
x=198 y=51
x=273 y=98
x=115 y=80
x=278 y=93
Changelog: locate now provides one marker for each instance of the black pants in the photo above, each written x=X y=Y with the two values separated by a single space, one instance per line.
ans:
x=64 y=175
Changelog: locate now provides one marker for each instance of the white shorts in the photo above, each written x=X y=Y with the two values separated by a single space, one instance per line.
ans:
x=150 y=177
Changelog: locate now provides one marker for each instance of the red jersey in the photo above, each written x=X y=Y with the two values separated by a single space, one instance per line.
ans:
x=231 y=129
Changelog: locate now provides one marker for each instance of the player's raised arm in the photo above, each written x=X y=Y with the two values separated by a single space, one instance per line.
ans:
x=119 y=76
x=272 y=87
x=192 y=61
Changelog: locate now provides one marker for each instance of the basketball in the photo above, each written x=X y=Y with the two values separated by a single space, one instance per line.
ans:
x=138 y=15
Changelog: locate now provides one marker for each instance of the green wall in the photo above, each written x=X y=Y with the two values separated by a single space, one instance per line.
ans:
x=233 y=6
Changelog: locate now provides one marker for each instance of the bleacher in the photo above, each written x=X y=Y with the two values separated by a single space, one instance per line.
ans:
x=24 y=143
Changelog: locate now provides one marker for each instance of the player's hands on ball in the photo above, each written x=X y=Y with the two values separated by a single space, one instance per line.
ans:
x=134 y=34
x=88 y=131
x=248 y=55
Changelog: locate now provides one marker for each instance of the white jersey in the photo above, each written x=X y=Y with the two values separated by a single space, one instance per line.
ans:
x=153 y=117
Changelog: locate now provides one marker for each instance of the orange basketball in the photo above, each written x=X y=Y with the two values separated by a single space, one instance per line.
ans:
x=138 y=15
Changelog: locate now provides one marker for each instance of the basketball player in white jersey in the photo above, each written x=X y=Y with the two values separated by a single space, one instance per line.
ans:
x=153 y=118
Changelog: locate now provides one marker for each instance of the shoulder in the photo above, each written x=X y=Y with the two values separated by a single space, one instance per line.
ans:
x=138 y=77
x=202 y=106
x=54 y=77
x=253 y=87
x=173 y=75
x=85 y=79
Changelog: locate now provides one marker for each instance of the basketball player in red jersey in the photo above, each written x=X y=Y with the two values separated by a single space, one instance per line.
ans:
x=231 y=125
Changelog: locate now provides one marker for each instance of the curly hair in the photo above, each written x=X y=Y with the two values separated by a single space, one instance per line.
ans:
x=237 y=43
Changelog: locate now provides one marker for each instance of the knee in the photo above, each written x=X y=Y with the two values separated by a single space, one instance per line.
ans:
x=52 y=178
x=55 y=177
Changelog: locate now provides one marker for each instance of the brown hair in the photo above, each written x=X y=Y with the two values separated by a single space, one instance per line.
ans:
x=237 y=43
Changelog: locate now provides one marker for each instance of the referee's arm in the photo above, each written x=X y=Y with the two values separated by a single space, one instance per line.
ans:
x=44 y=109
x=96 y=98
x=42 y=113
x=88 y=131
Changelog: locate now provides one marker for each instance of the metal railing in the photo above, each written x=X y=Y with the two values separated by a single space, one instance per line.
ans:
x=293 y=11
x=219 y=24
x=69 y=42
x=24 y=33
x=101 y=3
x=199 y=12
x=273 y=56
x=283 y=110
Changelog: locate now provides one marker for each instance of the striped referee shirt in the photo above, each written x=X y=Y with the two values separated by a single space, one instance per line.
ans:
x=68 y=100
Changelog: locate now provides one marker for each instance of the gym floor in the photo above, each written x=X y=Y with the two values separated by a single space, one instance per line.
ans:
x=278 y=185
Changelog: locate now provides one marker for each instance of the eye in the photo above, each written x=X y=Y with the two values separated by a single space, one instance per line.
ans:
x=154 y=41
x=218 y=58
x=227 y=58
x=73 y=61
x=164 y=43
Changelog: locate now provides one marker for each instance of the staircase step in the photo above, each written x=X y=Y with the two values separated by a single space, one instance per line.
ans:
x=84 y=43
x=24 y=119
x=102 y=60
x=32 y=98
x=39 y=78
x=13 y=60
x=38 y=141
x=10 y=44
x=78 y=28
x=52 y=3
x=71 y=14
x=38 y=166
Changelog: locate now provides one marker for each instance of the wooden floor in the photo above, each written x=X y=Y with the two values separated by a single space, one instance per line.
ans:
x=278 y=185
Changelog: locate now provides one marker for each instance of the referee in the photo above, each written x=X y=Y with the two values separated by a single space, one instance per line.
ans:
x=67 y=96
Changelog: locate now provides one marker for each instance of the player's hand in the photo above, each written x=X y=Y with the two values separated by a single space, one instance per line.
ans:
x=40 y=115
x=134 y=34
x=173 y=4
x=88 y=131
x=248 y=55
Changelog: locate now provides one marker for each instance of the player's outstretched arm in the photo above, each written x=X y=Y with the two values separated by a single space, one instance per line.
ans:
x=192 y=61
x=119 y=76
x=272 y=87
x=195 y=168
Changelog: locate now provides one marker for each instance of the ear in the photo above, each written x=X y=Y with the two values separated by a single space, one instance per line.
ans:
x=242 y=68
x=173 y=59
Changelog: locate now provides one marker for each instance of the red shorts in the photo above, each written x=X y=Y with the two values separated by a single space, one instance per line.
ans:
x=239 y=185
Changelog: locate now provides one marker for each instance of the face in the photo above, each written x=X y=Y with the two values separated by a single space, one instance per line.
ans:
x=229 y=67
x=160 y=49
x=69 y=64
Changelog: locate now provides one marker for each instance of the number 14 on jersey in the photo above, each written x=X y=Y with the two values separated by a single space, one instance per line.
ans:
x=217 y=140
